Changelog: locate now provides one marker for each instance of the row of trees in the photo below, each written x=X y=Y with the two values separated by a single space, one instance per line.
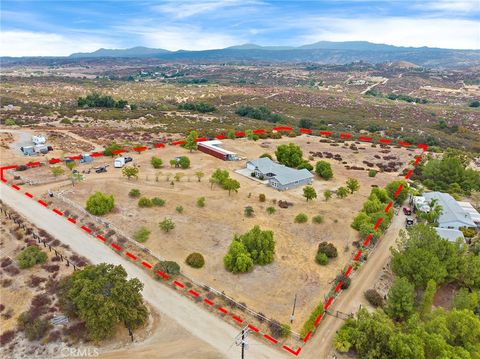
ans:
x=222 y=178
x=258 y=113
x=202 y=107
x=408 y=328
x=97 y=100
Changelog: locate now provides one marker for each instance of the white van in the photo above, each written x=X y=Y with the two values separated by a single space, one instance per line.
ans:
x=119 y=162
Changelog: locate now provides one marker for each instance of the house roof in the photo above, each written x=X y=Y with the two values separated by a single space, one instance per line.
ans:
x=452 y=211
x=467 y=206
x=283 y=174
x=450 y=234
x=215 y=144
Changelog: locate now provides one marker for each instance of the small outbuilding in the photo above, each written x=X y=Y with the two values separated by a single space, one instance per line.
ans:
x=213 y=148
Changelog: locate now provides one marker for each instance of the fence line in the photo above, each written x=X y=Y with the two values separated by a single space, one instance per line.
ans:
x=109 y=225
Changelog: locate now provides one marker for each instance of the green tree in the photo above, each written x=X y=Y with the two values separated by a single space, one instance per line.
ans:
x=309 y=193
x=100 y=203
x=231 y=134
x=57 y=171
x=156 y=162
x=290 y=155
x=353 y=185
x=400 y=299
x=145 y=202
x=238 y=260
x=342 y=192
x=130 y=171
x=191 y=141
x=167 y=225
x=466 y=300
x=427 y=299
x=305 y=123
x=195 y=260
x=248 y=211
x=71 y=165
x=392 y=188
x=169 y=267
x=231 y=185
x=470 y=271
x=111 y=147
x=201 y=202
x=173 y=163
x=327 y=194
x=184 y=162
x=218 y=177
x=103 y=297
x=30 y=256
x=324 y=170
x=134 y=192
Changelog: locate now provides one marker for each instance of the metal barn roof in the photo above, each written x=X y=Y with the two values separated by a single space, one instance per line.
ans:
x=282 y=173
x=452 y=211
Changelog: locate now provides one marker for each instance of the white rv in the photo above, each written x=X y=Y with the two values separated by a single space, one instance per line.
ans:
x=38 y=140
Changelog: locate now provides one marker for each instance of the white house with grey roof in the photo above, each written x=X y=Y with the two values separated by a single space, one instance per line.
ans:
x=454 y=216
x=279 y=176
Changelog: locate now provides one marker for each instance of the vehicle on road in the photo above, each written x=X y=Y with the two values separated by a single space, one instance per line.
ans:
x=407 y=211
x=101 y=169
x=128 y=159
x=409 y=221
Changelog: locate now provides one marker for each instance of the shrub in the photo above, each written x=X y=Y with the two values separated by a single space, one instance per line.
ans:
x=328 y=248
x=324 y=170
x=135 y=193
x=10 y=122
x=372 y=173
x=35 y=329
x=374 y=298
x=271 y=210
x=156 y=201
x=141 y=235
x=179 y=209
x=156 y=162
x=321 y=258
x=317 y=219
x=201 y=202
x=285 y=330
x=468 y=232
x=145 y=202
x=248 y=211
x=195 y=260
x=167 y=225
x=169 y=267
x=309 y=325
x=100 y=203
x=7 y=336
x=301 y=218
x=30 y=256
x=267 y=155
x=261 y=197
x=184 y=162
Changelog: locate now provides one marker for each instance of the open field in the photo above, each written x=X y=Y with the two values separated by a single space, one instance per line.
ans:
x=269 y=289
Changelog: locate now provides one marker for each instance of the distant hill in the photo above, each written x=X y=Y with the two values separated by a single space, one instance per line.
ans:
x=322 y=52
x=138 y=51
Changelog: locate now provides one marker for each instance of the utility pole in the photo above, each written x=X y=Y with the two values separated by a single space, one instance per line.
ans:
x=241 y=340
x=292 y=317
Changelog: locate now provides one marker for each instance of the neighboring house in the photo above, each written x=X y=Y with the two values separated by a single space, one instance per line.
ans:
x=453 y=215
x=279 y=176
x=213 y=148
x=450 y=235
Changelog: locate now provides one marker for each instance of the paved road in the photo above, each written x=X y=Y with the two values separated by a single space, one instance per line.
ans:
x=321 y=345
x=171 y=305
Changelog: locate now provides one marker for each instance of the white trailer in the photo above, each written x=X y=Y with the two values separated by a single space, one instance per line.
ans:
x=39 y=140
x=119 y=162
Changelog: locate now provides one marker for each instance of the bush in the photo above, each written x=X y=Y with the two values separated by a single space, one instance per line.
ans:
x=285 y=330
x=374 y=298
x=156 y=162
x=10 y=122
x=169 y=267
x=34 y=328
x=321 y=258
x=179 y=209
x=301 y=218
x=372 y=173
x=317 y=219
x=328 y=248
x=184 y=162
x=145 y=202
x=309 y=325
x=195 y=260
x=468 y=232
x=134 y=193
x=271 y=210
x=156 y=201
x=167 y=225
x=100 y=203
x=142 y=234
x=261 y=197
x=267 y=155
x=345 y=281
x=30 y=256
x=201 y=202
x=248 y=211
x=324 y=170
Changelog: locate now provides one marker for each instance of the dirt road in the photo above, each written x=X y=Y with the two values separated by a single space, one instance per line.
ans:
x=321 y=346
x=217 y=334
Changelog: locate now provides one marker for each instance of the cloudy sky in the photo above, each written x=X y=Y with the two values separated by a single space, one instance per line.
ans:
x=57 y=28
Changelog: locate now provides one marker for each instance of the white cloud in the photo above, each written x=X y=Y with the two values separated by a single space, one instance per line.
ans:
x=184 y=9
x=399 y=31
x=181 y=37
x=27 y=43
x=458 y=6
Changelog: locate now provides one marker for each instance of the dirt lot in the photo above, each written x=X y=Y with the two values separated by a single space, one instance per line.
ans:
x=269 y=289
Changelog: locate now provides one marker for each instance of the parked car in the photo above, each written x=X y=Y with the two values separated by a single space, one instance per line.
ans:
x=119 y=162
x=101 y=169
x=128 y=159
x=409 y=222
x=407 y=211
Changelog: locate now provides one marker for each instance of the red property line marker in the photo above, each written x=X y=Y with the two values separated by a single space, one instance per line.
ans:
x=192 y=292
x=366 y=139
x=417 y=160
x=146 y=264
x=181 y=285
x=268 y=337
x=397 y=192
x=116 y=246
x=409 y=173
x=339 y=285
x=86 y=229
x=307 y=337
x=253 y=328
x=103 y=239
x=222 y=310
x=57 y=212
x=385 y=141
x=347 y=272
x=319 y=318
x=208 y=301
x=330 y=300
x=377 y=224
x=359 y=253
x=369 y=237
x=388 y=207
x=72 y=220
x=161 y=274
x=345 y=135
x=128 y=254
x=29 y=195
x=237 y=319
x=292 y=351
x=42 y=203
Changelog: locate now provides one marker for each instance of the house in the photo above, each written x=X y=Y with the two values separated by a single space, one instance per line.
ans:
x=453 y=215
x=279 y=176
x=450 y=235
x=213 y=148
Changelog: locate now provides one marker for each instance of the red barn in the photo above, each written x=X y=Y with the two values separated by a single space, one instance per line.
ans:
x=213 y=148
